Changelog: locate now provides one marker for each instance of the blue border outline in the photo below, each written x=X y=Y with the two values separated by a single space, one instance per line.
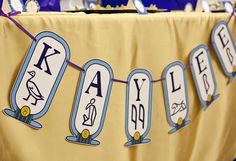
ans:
x=176 y=63
x=25 y=65
x=204 y=47
x=141 y=13
x=79 y=92
x=12 y=8
x=230 y=75
x=135 y=71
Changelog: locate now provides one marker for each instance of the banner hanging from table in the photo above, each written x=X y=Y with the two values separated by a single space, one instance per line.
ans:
x=225 y=48
x=138 y=107
x=38 y=79
x=49 y=55
x=91 y=102
x=176 y=96
x=203 y=75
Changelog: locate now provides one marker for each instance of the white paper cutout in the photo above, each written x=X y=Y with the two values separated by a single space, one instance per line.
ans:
x=16 y=5
x=229 y=7
x=188 y=7
x=140 y=7
x=224 y=46
x=39 y=78
x=205 y=6
x=176 y=96
x=91 y=103
x=138 y=107
x=203 y=75
x=32 y=6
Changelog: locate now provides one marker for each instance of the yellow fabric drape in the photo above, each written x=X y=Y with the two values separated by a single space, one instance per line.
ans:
x=126 y=42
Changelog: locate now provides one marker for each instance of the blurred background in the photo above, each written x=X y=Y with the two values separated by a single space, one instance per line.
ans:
x=54 y=5
x=162 y=4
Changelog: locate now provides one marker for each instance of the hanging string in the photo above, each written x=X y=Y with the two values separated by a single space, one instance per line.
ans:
x=188 y=66
x=73 y=65
x=13 y=13
x=163 y=78
x=2 y=13
x=232 y=14
x=119 y=81
x=9 y=16
x=159 y=80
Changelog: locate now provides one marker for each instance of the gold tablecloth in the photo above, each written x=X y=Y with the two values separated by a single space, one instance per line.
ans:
x=126 y=42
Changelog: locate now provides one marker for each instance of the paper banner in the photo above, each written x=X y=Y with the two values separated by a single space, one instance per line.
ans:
x=176 y=96
x=91 y=103
x=140 y=7
x=203 y=75
x=228 y=7
x=224 y=46
x=39 y=78
x=16 y=5
x=138 y=107
x=205 y=6
x=32 y=6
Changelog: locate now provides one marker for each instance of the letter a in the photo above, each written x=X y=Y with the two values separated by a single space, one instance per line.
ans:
x=96 y=85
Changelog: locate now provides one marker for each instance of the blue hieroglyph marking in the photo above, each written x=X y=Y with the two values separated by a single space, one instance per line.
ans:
x=227 y=44
x=204 y=68
x=147 y=104
x=25 y=66
x=176 y=100
x=79 y=93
